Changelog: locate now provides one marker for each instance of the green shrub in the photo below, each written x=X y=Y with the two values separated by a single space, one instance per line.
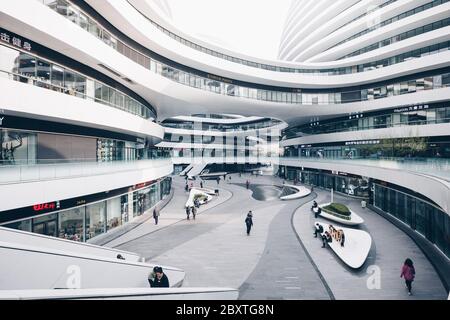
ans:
x=338 y=208
x=200 y=197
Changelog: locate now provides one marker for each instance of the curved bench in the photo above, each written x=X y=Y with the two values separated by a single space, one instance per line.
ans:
x=356 y=246
x=353 y=220
x=301 y=192
x=193 y=193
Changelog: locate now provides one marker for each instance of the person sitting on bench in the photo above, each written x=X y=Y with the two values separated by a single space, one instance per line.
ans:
x=317 y=212
x=326 y=238
x=319 y=230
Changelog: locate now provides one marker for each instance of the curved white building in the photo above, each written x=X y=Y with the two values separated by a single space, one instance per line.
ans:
x=91 y=87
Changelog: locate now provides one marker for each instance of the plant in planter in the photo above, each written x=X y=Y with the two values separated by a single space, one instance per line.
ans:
x=200 y=197
x=338 y=209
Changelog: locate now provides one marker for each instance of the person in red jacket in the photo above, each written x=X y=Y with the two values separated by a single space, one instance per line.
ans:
x=408 y=273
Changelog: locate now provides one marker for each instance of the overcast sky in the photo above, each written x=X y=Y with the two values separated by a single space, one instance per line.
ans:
x=252 y=27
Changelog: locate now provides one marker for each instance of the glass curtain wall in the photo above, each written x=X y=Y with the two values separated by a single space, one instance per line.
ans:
x=27 y=68
x=426 y=219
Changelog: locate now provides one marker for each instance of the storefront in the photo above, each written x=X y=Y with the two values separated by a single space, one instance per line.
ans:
x=351 y=185
x=94 y=214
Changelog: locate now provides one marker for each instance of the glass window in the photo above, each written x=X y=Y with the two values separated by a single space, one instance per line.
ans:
x=46 y=225
x=80 y=85
x=70 y=81
x=84 y=21
x=43 y=71
x=26 y=65
x=71 y=224
x=114 y=218
x=95 y=219
x=24 y=225
x=94 y=29
x=421 y=218
x=105 y=93
x=72 y=14
x=98 y=91
x=57 y=76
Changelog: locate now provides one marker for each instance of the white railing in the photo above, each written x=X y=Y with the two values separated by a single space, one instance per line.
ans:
x=41 y=172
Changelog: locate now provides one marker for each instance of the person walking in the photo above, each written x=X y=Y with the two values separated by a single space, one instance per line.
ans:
x=201 y=184
x=156 y=215
x=188 y=211
x=194 y=211
x=247 y=184
x=218 y=180
x=408 y=273
x=249 y=222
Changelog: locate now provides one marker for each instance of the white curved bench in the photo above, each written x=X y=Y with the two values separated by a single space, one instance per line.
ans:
x=353 y=221
x=356 y=246
x=193 y=193
x=301 y=192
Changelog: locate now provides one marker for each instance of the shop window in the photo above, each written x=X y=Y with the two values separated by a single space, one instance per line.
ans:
x=57 y=76
x=46 y=225
x=114 y=213
x=95 y=219
x=43 y=73
x=71 y=224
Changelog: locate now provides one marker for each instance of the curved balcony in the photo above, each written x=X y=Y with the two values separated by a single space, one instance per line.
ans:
x=55 y=106
x=42 y=183
x=81 y=18
x=429 y=177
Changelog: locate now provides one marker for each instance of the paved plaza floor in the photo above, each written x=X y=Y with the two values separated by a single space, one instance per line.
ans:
x=280 y=259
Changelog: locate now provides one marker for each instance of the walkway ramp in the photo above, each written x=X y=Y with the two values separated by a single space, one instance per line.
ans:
x=196 y=170
x=186 y=170
x=42 y=241
x=32 y=261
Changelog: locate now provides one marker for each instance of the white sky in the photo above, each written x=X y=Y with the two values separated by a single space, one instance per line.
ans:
x=252 y=27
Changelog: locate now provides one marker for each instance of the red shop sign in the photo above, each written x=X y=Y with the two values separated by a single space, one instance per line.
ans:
x=44 y=206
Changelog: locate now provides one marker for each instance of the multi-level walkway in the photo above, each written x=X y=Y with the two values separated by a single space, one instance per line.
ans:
x=280 y=259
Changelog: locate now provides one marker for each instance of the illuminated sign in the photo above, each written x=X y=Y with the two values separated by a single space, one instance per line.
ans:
x=46 y=206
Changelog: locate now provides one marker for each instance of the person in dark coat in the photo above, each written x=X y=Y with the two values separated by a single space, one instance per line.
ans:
x=156 y=215
x=249 y=222
x=326 y=238
x=194 y=211
x=188 y=211
x=201 y=184
x=319 y=230
x=159 y=280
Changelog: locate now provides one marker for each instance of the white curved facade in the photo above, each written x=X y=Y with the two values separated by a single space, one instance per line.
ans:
x=352 y=78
